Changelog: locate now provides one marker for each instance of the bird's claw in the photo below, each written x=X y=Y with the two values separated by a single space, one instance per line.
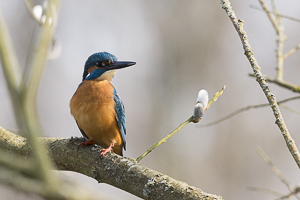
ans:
x=89 y=142
x=105 y=151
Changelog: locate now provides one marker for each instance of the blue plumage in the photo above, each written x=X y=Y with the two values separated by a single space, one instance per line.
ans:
x=97 y=57
x=95 y=74
x=120 y=115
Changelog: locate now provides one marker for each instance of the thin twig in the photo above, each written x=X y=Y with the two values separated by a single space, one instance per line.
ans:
x=238 y=111
x=238 y=25
x=288 y=196
x=274 y=169
x=273 y=21
x=278 y=173
x=268 y=191
x=282 y=83
x=280 y=43
x=191 y=119
x=280 y=37
x=164 y=139
x=290 y=109
x=215 y=97
x=281 y=15
x=292 y=51
x=265 y=190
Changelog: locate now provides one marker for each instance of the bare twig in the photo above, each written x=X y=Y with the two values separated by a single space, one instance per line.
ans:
x=280 y=37
x=164 y=139
x=191 y=119
x=288 y=196
x=281 y=15
x=215 y=97
x=265 y=190
x=268 y=191
x=292 y=51
x=282 y=83
x=272 y=19
x=245 y=109
x=280 y=43
x=278 y=173
x=274 y=169
x=238 y=25
x=290 y=109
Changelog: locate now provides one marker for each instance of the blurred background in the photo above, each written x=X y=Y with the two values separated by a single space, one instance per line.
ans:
x=180 y=47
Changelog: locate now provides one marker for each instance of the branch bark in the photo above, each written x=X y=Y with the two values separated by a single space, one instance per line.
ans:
x=123 y=173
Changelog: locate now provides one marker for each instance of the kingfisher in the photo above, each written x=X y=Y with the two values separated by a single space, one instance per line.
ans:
x=96 y=107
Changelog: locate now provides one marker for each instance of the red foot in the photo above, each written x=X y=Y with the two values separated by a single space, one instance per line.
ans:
x=86 y=143
x=104 y=151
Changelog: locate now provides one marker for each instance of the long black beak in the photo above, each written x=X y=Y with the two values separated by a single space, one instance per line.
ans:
x=119 y=65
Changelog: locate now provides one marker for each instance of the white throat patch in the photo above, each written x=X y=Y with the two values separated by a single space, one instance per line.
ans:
x=107 y=75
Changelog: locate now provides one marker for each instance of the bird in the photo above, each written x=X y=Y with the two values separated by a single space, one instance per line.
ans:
x=97 y=108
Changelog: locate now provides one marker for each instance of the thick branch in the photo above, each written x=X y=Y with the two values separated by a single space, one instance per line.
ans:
x=123 y=173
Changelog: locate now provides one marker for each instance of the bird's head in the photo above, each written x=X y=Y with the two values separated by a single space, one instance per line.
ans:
x=103 y=66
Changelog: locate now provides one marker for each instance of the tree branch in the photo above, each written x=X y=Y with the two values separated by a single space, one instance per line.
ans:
x=238 y=25
x=123 y=173
x=281 y=38
x=282 y=83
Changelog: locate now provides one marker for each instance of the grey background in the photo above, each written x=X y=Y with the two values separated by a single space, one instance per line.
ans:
x=180 y=47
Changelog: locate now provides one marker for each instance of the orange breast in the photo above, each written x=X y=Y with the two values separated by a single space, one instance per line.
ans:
x=93 y=108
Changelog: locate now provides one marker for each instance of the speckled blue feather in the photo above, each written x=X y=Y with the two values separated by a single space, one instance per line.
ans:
x=95 y=74
x=120 y=115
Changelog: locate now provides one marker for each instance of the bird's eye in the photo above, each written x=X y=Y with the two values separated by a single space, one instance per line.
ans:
x=99 y=64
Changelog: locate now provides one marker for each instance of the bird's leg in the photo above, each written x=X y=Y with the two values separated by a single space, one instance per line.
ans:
x=86 y=143
x=104 y=151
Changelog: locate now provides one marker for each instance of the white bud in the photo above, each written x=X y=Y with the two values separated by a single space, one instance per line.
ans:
x=203 y=98
x=37 y=12
x=202 y=101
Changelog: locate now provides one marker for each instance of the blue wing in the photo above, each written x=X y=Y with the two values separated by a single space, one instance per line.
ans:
x=120 y=115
